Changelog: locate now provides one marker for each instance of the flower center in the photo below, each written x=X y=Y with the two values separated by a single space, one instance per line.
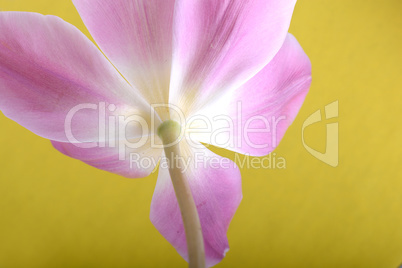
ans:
x=169 y=131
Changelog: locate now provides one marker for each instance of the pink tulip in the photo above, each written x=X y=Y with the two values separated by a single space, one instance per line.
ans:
x=166 y=60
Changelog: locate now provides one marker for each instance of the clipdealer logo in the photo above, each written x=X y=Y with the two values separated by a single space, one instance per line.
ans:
x=331 y=154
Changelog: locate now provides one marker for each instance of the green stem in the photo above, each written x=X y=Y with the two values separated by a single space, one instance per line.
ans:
x=169 y=132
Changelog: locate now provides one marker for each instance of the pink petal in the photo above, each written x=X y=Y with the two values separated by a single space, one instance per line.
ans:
x=269 y=101
x=137 y=163
x=48 y=67
x=219 y=45
x=216 y=189
x=137 y=37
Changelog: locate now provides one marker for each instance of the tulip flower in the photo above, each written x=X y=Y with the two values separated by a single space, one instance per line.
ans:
x=174 y=76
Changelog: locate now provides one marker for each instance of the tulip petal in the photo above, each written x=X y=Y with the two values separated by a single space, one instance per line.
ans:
x=254 y=118
x=219 y=45
x=135 y=162
x=215 y=183
x=50 y=70
x=137 y=37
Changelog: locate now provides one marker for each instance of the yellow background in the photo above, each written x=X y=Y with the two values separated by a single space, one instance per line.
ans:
x=59 y=212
